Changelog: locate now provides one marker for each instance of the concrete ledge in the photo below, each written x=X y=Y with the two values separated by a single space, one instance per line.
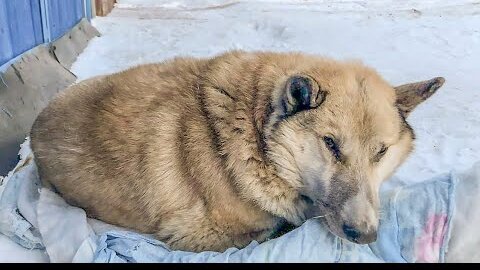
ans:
x=67 y=48
x=31 y=82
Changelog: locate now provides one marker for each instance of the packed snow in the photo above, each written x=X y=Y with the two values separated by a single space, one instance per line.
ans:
x=405 y=41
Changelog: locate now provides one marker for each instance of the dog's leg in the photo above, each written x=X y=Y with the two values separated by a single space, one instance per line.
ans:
x=200 y=239
x=205 y=236
x=193 y=233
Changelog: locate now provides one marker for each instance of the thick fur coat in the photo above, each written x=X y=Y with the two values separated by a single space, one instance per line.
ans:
x=213 y=153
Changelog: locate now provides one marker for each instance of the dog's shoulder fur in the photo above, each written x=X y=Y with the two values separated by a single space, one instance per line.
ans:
x=179 y=149
x=139 y=149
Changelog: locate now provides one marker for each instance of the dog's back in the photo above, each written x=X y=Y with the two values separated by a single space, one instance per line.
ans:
x=135 y=149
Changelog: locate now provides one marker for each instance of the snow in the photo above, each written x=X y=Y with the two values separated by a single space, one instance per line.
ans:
x=404 y=40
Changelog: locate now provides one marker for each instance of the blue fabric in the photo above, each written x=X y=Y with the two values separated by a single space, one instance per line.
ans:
x=12 y=223
x=415 y=228
x=417 y=224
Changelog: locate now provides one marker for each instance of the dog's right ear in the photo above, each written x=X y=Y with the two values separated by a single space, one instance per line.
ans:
x=412 y=94
x=302 y=93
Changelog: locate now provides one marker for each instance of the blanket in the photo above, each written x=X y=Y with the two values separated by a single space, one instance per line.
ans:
x=415 y=227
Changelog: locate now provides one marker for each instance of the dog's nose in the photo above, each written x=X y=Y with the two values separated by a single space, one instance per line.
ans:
x=350 y=232
x=357 y=236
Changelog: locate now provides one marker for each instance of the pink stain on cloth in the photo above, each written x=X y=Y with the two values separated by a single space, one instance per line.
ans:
x=428 y=245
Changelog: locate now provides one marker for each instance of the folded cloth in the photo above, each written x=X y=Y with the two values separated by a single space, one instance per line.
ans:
x=20 y=191
x=415 y=228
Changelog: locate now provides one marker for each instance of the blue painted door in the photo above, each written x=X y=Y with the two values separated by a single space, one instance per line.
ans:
x=20 y=27
x=63 y=15
x=25 y=24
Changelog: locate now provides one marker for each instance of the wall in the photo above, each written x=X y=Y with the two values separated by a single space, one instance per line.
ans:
x=20 y=27
x=39 y=40
x=25 y=24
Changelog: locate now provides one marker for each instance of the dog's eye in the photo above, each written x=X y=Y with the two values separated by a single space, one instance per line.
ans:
x=381 y=153
x=333 y=147
x=307 y=199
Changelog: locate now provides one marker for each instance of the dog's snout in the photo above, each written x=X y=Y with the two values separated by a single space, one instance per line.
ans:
x=359 y=236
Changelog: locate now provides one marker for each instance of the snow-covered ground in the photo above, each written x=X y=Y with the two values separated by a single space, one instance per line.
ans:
x=404 y=40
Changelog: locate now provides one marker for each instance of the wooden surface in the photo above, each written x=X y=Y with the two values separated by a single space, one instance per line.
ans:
x=20 y=27
x=25 y=24
x=62 y=16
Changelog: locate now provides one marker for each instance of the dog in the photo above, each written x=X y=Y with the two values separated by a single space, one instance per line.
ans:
x=213 y=153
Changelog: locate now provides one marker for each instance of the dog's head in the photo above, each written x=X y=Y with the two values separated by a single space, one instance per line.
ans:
x=336 y=132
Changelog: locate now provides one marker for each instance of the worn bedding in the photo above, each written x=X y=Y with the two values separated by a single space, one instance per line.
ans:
x=414 y=227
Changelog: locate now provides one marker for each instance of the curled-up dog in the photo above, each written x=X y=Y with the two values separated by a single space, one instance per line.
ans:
x=213 y=153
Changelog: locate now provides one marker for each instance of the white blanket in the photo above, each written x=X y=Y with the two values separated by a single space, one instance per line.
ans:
x=416 y=228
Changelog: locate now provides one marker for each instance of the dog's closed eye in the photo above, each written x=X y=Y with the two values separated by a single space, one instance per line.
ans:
x=307 y=199
x=333 y=147
x=381 y=153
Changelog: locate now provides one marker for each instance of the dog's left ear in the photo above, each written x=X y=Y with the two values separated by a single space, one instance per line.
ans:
x=302 y=93
x=412 y=94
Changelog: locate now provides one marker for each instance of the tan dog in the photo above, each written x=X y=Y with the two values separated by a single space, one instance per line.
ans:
x=213 y=153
